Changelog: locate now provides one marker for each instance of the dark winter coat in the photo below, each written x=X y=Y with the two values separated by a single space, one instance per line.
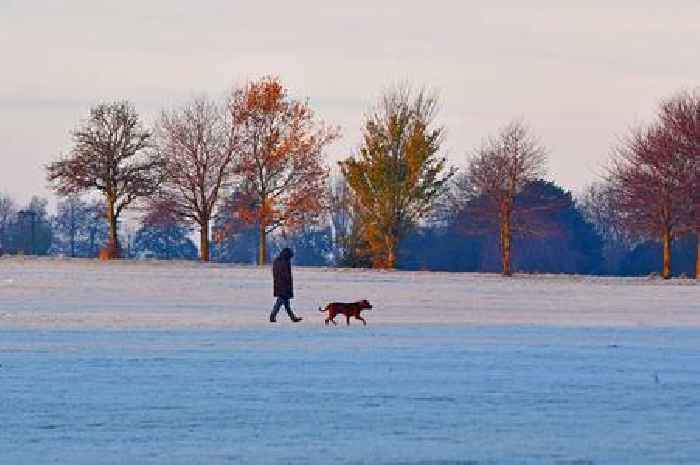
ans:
x=282 y=275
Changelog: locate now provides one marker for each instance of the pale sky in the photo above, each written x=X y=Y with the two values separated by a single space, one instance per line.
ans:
x=579 y=75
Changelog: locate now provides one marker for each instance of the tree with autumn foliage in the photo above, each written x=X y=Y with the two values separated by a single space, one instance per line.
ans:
x=112 y=155
x=280 y=148
x=654 y=176
x=196 y=145
x=398 y=173
x=497 y=173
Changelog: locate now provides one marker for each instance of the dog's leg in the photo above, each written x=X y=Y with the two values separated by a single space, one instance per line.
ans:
x=347 y=317
x=335 y=323
x=361 y=319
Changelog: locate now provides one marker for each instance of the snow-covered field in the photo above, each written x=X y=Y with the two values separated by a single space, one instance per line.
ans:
x=76 y=294
x=174 y=363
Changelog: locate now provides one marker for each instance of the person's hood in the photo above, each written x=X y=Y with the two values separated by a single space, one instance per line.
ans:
x=286 y=253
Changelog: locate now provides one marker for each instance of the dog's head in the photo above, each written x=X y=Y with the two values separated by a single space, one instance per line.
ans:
x=365 y=305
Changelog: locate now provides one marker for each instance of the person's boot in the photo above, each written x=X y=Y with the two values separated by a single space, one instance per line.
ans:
x=296 y=319
x=273 y=319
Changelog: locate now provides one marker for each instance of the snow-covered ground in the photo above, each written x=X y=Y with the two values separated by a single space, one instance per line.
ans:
x=77 y=294
x=173 y=363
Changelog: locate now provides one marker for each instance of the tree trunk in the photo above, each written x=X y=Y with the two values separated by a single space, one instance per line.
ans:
x=204 y=241
x=391 y=256
x=113 y=244
x=506 y=240
x=506 y=236
x=262 y=244
x=390 y=260
x=666 y=238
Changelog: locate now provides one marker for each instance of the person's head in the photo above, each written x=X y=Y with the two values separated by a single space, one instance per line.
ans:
x=286 y=253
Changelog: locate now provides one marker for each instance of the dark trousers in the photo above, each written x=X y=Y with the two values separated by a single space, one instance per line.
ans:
x=287 y=306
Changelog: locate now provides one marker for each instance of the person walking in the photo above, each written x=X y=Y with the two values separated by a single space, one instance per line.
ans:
x=283 y=285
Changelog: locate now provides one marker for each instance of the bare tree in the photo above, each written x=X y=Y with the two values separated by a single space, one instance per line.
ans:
x=599 y=207
x=79 y=227
x=349 y=246
x=340 y=210
x=31 y=232
x=69 y=223
x=496 y=174
x=653 y=186
x=196 y=144
x=8 y=212
x=680 y=115
x=398 y=174
x=281 y=149
x=111 y=154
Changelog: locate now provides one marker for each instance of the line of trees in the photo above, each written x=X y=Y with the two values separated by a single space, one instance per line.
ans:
x=80 y=228
x=24 y=230
x=259 y=144
x=649 y=195
x=250 y=171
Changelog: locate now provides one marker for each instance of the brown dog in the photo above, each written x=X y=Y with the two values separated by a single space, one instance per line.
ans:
x=348 y=309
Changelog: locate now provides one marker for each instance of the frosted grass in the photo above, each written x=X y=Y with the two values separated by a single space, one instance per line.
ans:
x=389 y=395
x=174 y=363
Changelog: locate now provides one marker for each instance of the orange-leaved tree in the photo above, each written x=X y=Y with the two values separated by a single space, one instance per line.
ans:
x=280 y=148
